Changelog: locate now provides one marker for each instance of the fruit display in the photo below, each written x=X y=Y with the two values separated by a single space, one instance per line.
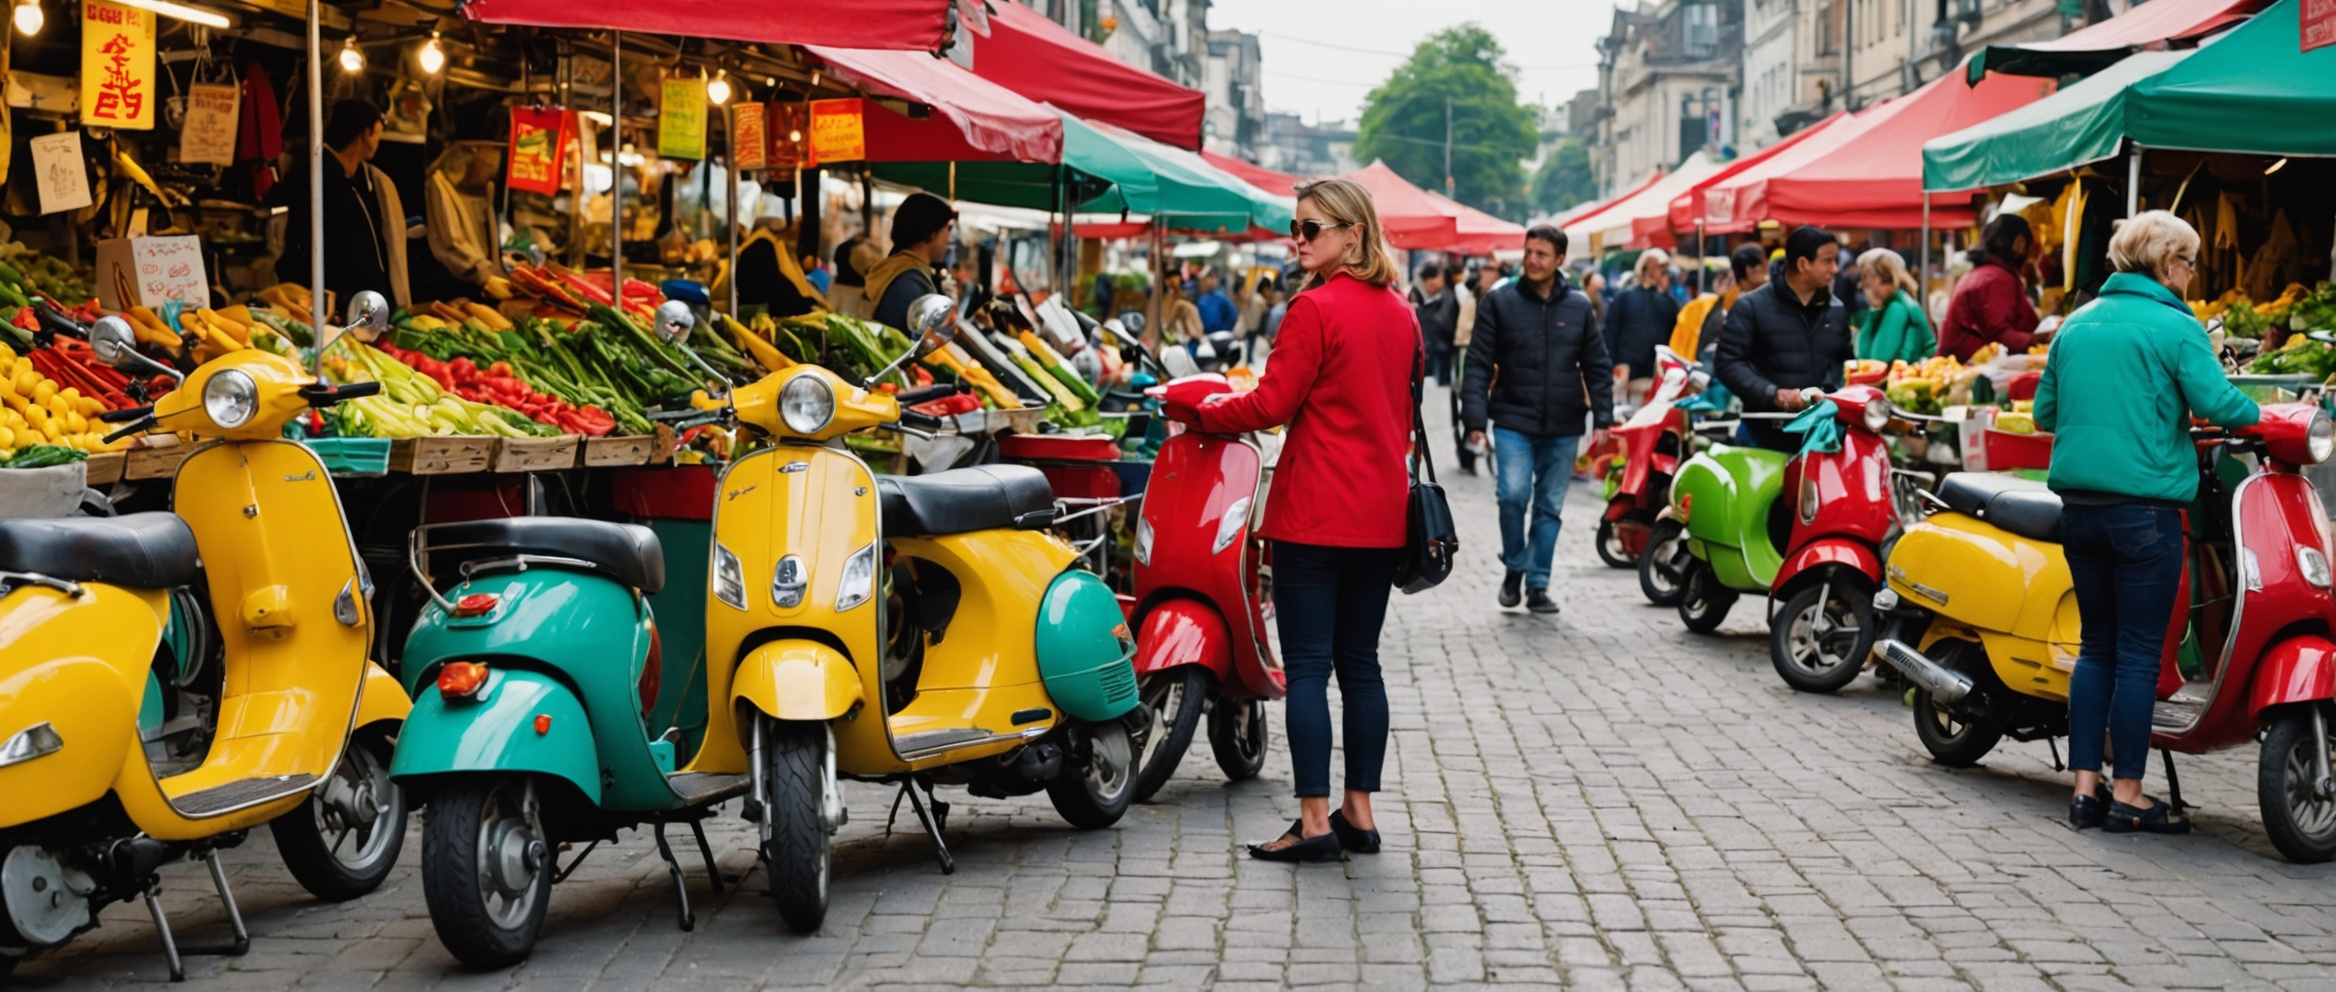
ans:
x=2296 y=309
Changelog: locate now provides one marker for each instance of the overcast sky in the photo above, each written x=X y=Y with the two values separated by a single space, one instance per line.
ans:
x=1553 y=43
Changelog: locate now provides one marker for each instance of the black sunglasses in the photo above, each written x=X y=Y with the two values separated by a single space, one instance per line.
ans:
x=1308 y=230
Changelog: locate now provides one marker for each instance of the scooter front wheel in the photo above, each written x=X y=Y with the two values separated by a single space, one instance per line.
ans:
x=1099 y=780
x=1610 y=547
x=1663 y=564
x=1237 y=734
x=2298 y=813
x=486 y=871
x=1175 y=697
x=1703 y=602
x=343 y=840
x=1821 y=637
x=797 y=847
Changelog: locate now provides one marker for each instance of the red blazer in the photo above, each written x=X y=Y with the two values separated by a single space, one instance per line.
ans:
x=1340 y=376
x=1990 y=304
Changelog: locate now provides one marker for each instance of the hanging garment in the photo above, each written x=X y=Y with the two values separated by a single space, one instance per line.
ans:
x=259 y=133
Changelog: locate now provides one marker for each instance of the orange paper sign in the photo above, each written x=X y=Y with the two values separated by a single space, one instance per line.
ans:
x=838 y=133
x=749 y=147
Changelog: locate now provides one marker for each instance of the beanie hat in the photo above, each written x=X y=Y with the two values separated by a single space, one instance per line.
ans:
x=918 y=218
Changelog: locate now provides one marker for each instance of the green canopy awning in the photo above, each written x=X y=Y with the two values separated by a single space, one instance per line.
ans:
x=1197 y=196
x=2254 y=91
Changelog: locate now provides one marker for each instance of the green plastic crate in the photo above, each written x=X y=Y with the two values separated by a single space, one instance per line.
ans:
x=346 y=456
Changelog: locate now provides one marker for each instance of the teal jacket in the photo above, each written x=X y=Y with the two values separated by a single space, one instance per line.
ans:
x=1898 y=332
x=2126 y=374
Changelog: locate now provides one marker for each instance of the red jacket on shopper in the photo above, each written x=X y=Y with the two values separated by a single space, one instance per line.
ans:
x=1989 y=305
x=1340 y=377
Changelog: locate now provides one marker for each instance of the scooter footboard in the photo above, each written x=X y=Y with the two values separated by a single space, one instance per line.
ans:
x=2300 y=669
x=520 y=721
x=797 y=680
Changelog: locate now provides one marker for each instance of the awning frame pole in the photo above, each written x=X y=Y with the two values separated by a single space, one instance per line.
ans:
x=2133 y=181
x=1923 y=279
x=616 y=175
x=316 y=191
x=731 y=167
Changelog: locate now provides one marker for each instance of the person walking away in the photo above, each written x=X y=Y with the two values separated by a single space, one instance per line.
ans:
x=1438 y=310
x=1990 y=306
x=1643 y=317
x=1594 y=287
x=1537 y=369
x=1894 y=329
x=364 y=220
x=1343 y=377
x=921 y=228
x=2128 y=373
x=1463 y=333
x=1786 y=336
x=1217 y=312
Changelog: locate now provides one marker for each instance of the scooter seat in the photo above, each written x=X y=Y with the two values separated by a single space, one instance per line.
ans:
x=2018 y=505
x=137 y=550
x=628 y=553
x=963 y=500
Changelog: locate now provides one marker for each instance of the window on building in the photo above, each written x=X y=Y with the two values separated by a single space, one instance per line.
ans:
x=1828 y=26
x=1702 y=21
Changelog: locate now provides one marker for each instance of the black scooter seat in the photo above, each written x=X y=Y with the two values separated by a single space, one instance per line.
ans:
x=628 y=553
x=136 y=550
x=2018 y=505
x=963 y=500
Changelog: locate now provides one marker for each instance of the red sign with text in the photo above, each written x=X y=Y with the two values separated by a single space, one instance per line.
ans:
x=2319 y=23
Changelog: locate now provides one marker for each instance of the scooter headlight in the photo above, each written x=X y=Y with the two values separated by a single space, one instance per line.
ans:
x=859 y=582
x=729 y=578
x=2314 y=566
x=1228 y=528
x=2321 y=438
x=1144 y=541
x=230 y=398
x=806 y=403
x=1877 y=414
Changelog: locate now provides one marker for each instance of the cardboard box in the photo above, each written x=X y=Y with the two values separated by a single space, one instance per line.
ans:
x=612 y=452
x=150 y=272
x=538 y=454
x=441 y=455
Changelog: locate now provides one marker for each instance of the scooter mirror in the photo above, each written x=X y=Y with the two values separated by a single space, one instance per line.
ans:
x=934 y=319
x=674 y=321
x=113 y=341
x=368 y=315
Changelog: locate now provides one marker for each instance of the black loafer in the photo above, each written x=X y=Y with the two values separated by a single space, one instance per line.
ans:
x=1352 y=837
x=2087 y=812
x=2154 y=819
x=1307 y=850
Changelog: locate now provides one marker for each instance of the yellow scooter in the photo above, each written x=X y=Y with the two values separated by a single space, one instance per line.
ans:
x=292 y=728
x=914 y=629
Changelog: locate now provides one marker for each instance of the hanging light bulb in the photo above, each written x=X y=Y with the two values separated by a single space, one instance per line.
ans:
x=718 y=88
x=352 y=60
x=29 y=17
x=432 y=56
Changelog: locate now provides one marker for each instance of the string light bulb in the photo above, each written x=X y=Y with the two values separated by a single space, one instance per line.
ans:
x=718 y=88
x=432 y=56
x=29 y=17
x=352 y=59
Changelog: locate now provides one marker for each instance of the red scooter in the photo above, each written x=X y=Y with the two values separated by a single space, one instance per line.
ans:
x=1652 y=441
x=1202 y=595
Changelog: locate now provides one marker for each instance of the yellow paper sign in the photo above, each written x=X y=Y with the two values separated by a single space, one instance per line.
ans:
x=117 y=66
x=838 y=132
x=681 y=119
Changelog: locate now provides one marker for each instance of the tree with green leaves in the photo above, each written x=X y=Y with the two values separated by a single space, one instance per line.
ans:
x=1404 y=120
x=1564 y=178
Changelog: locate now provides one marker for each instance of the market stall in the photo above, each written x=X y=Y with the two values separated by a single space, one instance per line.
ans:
x=1611 y=229
x=1684 y=216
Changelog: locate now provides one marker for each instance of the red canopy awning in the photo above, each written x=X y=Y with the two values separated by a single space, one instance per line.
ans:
x=1477 y=232
x=1277 y=183
x=1866 y=170
x=973 y=119
x=1687 y=206
x=1412 y=218
x=1586 y=212
x=912 y=25
x=1042 y=60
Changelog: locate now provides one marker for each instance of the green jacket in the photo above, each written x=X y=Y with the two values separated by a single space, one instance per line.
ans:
x=1897 y=332
x=2126 y=374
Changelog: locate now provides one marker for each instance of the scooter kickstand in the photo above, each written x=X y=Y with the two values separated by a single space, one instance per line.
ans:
x=2173 y=784
x=689 y=920
x=175 y=955
x=706 y=851
x=178 y=971
x=2052 y=744
x=931 y=820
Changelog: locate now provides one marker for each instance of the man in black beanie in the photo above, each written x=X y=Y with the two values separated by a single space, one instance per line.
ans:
x=921 y=227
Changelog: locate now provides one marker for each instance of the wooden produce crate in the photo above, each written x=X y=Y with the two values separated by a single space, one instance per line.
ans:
x=154 y=463
x=441 y=455
x=105 y=467
x=538 y=454
x=619 y=452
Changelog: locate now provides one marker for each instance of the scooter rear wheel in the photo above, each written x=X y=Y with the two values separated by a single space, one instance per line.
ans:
x=1099 y=780
x=486 y=871
x=1951 y=741
x=1237 y=734
x=1703 y=602
x=1176 y=698
x=2301 y=822
x=1662 y=564
x=798 y=848
x=1820 y=639
x=342 y=841
x=1610 y=549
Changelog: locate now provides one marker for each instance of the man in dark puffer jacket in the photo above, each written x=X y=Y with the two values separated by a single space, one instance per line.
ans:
x=1786 y=336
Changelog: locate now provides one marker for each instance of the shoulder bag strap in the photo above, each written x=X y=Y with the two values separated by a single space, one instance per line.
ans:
x=1420 y=462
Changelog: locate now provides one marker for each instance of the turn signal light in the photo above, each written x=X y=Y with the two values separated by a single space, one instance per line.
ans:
x=462 y=679
x=543 y=724
x=477 y=604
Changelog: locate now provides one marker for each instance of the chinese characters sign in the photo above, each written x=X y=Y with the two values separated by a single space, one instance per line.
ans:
x=117 y=66
x=681 y=119
x=2319 y=23
x=539 y=140
x=749 y=148
x=838 y=132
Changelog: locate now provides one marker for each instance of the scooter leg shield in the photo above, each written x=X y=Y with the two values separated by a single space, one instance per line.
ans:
x=2297 y=670
x=520 y=721
x=797 y=680
x=1184 y=632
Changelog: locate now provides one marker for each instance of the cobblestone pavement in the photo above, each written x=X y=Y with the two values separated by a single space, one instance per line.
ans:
x=1594 y=801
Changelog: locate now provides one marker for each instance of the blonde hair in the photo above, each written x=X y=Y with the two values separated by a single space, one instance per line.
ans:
x=2150 y=241
x=1349 y=203
x=1891 y=266
x=1652 y=259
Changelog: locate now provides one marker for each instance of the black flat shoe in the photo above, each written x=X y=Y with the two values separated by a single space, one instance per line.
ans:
x=1352 y=837
x=2087 y=812
x=2154 y=819
x=1308 y=850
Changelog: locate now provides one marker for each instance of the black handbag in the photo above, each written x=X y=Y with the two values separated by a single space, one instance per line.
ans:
x=1431 y=542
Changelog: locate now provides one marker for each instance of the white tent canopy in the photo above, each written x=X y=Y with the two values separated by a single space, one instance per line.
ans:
x=1610 y=228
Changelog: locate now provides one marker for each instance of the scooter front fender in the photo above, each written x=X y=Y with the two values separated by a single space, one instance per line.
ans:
x=1826 y=553
x=521 y=721
x=385 y=701
x=796 y=680
x=1181 y=632
x=2301 y=669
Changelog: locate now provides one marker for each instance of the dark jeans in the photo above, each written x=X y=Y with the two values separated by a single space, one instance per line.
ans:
x=1329 y=604
x=1459 y=427
x=2126 y=564
x=1439 y=363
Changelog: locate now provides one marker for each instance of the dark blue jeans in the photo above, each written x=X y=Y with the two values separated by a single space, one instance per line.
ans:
x=2126 y=564
x=1329 y=604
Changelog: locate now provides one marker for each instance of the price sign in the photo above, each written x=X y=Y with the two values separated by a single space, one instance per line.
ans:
x=681 y=119
x=209 y=135
x=838 y=131
x=749 y=145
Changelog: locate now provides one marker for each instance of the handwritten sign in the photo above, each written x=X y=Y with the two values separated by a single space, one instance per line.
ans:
x=59 y=170
x=1719 y=206
x=838 y=131
x=209 y=135
x=749 y=146
x=681 y=119
x=538 y=137
x=151 y=271
x=2319 y=23
x=117 y=66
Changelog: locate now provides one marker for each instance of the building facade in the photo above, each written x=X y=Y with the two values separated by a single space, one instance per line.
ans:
x=1235 y=121
x=1668 y=73
x=1321 y=149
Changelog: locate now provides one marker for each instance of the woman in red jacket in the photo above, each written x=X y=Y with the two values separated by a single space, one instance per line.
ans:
x=1990 y=306
x=1341 y=378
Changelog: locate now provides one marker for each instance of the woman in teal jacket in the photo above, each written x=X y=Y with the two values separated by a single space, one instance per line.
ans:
x=2126 y=374
x=1895 y=329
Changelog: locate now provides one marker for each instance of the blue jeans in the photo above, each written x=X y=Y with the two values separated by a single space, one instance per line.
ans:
x=2126 y=564
x=1329 y=604
x=1531 y=469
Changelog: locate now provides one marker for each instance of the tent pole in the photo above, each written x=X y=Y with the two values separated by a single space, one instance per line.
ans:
x=1922 y=279
x=1152 y=328
x=731 y=167
x=1702 y=278
x=316 y=192
x=616 y=172
x=2133 y=181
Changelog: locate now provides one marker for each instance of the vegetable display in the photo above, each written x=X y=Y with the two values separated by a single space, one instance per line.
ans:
x=36 y=410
